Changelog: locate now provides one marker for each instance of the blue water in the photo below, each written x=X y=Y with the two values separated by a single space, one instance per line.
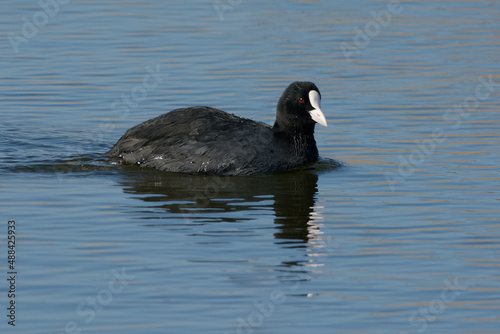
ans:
x=403 y=237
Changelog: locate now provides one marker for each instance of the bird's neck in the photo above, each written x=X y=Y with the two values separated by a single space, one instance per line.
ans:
x=299 y=139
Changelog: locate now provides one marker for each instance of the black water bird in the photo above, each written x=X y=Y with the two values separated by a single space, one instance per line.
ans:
x=210 y=141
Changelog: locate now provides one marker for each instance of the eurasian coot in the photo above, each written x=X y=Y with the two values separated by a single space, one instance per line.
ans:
x=210 y=141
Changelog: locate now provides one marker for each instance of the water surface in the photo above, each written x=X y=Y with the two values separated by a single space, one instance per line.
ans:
x=403 y=237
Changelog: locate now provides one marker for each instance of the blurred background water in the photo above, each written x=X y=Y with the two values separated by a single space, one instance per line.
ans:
x=403 y=238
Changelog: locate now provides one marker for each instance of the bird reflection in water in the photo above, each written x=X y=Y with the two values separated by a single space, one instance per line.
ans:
x=181 y=200
x=189 y=197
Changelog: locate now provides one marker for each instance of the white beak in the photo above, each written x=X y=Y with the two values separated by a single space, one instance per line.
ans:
x=316 y=113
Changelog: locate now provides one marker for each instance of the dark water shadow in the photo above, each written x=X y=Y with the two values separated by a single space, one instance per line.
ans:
x=210 y=199
x=177 y=201
x=203 y=199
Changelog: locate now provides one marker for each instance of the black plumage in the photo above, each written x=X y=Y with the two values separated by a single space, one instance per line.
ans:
x=211 y=141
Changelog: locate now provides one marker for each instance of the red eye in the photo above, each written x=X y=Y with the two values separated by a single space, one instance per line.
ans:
x=301 y=100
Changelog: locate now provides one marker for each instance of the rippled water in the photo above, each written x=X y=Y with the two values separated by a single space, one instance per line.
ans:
x=401 y=237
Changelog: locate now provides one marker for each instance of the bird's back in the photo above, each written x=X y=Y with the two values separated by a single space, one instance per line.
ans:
x=199 y=139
